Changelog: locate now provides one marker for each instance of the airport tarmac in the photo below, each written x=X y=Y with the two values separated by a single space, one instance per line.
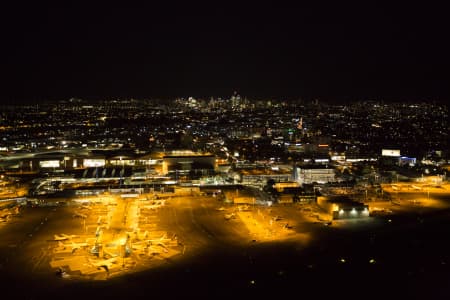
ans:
x=222 y=257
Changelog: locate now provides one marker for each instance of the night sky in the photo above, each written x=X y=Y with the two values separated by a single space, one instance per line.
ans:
x=260 y=50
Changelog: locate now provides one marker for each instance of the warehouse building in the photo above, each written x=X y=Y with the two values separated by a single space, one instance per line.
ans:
x=341 y=207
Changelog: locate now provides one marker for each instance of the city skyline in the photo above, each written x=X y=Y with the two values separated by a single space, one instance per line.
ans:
x=265 y=51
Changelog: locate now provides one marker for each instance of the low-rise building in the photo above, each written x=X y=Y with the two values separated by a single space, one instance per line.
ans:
x=260 y=176
x=185 y=162
x=308 y=174
x=341 y=207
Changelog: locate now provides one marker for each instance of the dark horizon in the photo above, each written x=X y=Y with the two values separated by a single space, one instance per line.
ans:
x=338 y=53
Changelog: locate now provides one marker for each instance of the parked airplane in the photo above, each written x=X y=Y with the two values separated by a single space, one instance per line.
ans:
x=106 y=263
x=277 y=218
x=229 y=216
x=243 y=208
x=76 y=246
x=63 y=237
x=86 y=207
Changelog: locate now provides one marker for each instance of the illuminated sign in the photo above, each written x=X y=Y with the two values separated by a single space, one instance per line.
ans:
x=90 y=162
x=390 y=152
x=49 y=164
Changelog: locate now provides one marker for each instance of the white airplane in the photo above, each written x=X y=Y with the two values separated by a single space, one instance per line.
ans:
x=161 y=240
x=63 y=237
x=72 y=245
x=76 y=246
x=106 y=264
x=138 y=245
x=416 y=187
x=244 y=208
x=229 y=216
x=221 y=208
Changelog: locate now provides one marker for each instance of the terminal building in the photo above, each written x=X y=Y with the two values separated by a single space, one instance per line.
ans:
x=111 y=163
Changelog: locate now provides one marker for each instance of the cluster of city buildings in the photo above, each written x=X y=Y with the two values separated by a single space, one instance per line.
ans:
x=226 y=141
